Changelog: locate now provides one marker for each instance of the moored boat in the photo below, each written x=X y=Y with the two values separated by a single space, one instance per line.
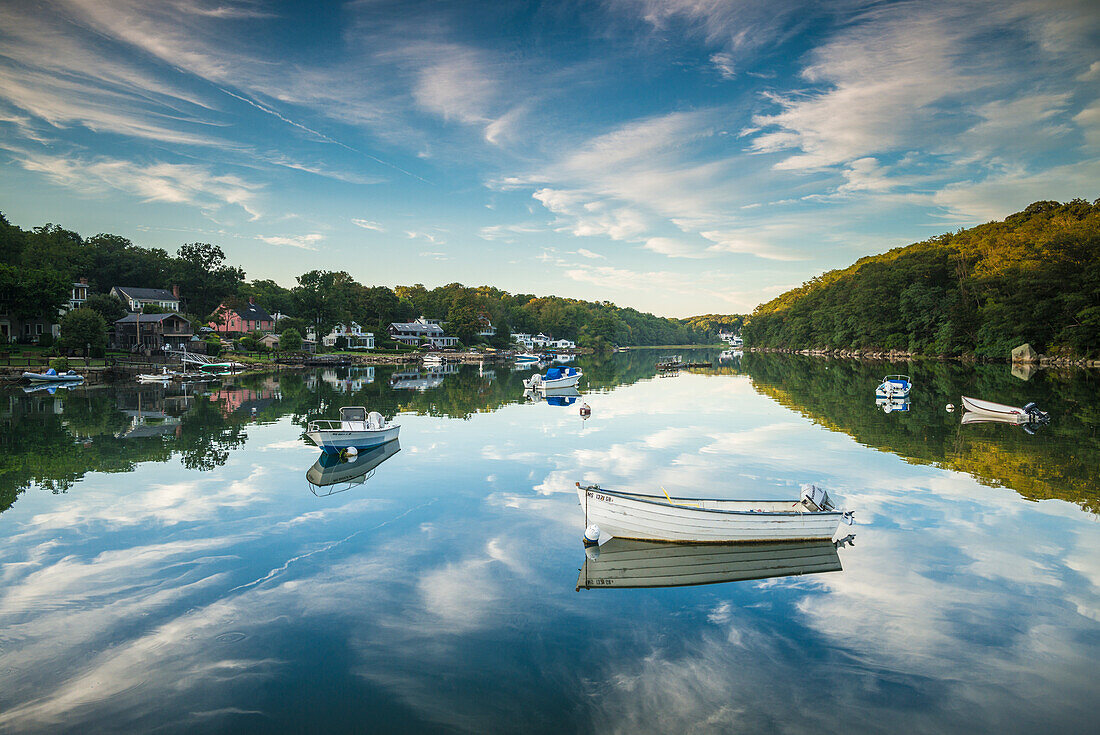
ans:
x=356 y=428
x=528 y=358
x=894 y=386
x=1010 y=413
x=52 y=376
x=555 y=377
x=621 y=563
x=710 y=520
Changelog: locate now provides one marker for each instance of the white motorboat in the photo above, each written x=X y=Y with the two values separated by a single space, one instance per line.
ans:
x=1010 y=414
x=52 y=376
x=555 y=377
x=162 y=377
x=709 y=520
x=894 y=386
x=356 y=428
x=527 y=358
x=621 y=563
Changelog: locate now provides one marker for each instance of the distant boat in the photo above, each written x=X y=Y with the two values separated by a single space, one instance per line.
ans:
x=356 y=428
x=1010 y=414
x=528 y=358
x=670 y=362
x=52 y=376
x=162 y=377
x=621 y=563
x=330 y=469
x=710 y=520
x=894 y=386
x=555 y=377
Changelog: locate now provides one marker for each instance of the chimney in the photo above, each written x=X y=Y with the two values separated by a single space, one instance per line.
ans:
x=175 y=291
x=83 y=281
x=252 y=299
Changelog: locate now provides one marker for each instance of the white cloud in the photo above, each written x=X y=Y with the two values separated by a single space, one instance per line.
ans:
x=367 y=224
x=305 y=242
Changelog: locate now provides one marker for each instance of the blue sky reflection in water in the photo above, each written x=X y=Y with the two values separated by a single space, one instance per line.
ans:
x=439 y=594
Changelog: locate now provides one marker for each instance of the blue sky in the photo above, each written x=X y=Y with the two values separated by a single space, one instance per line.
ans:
x=681 y=156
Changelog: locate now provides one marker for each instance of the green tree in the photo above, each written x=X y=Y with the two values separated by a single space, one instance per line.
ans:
x=204 y=279
x=290 y=340
x=107 y=306
x=83 y=327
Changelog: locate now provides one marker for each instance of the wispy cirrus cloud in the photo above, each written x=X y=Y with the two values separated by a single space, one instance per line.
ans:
x=304 y=242
x=367 y=224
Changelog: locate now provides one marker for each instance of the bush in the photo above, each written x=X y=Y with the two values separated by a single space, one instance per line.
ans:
x=290 y=340
x=60 y=364
x=45 y=339
x=99 y=351
x=213 y=347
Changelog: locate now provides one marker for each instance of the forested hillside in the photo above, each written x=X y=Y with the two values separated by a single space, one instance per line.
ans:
x=38 y=266
x=1035 y=277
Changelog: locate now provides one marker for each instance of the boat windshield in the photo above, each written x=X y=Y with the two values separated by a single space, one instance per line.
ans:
x=353 y=413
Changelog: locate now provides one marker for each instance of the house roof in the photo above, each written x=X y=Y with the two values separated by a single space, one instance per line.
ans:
x=419 y=327
x=150 y=294
x=146 y=318
x=253 y=312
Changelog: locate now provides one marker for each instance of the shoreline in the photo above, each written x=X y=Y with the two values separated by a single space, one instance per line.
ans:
x=905 y=356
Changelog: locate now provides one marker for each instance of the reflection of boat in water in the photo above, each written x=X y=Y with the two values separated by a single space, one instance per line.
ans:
x=890 y=405
x=894 y=386
x=356 y=428
x=553 y=396
x=51 y=388
x=331 y=469
x=1007 y=414
x=1029 y=425
x=621 y=563
x=709 y=520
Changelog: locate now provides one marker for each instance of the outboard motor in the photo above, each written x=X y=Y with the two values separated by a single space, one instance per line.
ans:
x=815 y=499
x=1034 y=414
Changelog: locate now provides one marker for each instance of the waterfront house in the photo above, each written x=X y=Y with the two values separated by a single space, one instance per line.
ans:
x=149 y=332
x=564 y=344
x=269 y=341
x=541 y=340
x=421 y=331
x=79 y=294
x=245 y=320
x=353 y=334
x=136 y=299
x=487 y=328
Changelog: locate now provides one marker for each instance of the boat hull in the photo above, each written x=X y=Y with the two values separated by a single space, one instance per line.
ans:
x=41 y=378
x=629 y=517
x=336 y=440
x=885 y=391
x=624 y=564
x=989 y=408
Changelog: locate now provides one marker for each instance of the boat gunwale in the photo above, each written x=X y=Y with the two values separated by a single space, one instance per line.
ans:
x=658 y=500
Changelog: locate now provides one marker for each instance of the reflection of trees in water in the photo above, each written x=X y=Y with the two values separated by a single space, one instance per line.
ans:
x=1061 y=461
x=53 y=441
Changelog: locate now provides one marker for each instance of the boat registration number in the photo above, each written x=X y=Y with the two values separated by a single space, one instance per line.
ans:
x=598 y=496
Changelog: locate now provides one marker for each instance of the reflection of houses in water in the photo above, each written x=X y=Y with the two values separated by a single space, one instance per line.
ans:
x=29 y=404
x=623 y=563
x=148 y=408
x=233 y=399
x=356 y=379
x=423 y=379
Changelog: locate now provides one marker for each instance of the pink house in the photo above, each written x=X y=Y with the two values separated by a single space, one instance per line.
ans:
x=246 y=320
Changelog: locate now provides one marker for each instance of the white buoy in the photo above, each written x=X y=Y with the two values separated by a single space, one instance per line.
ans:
x=950 y=406
x=592 y=535
x=351 y=451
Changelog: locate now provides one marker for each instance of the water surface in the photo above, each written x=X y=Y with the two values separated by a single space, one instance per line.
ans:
x=167 y=566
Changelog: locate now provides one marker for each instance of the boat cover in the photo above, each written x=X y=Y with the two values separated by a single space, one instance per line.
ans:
x=51 y=371
x=561 y=400
x=554 y=374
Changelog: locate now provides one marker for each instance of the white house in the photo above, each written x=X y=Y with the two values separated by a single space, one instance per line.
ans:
x=564 y=344
x=356 y=338
x=135 y=299
x=422 y=330
x=542 y=340
x=487 y=328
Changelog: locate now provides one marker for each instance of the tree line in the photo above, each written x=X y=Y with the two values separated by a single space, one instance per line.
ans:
x=38 y=267
x=1034 y=277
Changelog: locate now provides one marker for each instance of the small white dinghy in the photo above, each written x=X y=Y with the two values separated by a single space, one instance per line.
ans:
x=894 y=386
x=709 y=520
x=356 y=428
x=556 y=377
x=1008 y=414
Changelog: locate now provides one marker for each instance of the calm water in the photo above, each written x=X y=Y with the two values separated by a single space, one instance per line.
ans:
x=166 y=565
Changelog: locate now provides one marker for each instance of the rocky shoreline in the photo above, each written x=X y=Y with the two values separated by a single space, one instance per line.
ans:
x=902 y=355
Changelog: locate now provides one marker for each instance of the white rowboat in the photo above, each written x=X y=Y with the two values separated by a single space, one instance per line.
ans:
x=356 y=428
x=709 y=520
x=1010 y=413
x=630 y=564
